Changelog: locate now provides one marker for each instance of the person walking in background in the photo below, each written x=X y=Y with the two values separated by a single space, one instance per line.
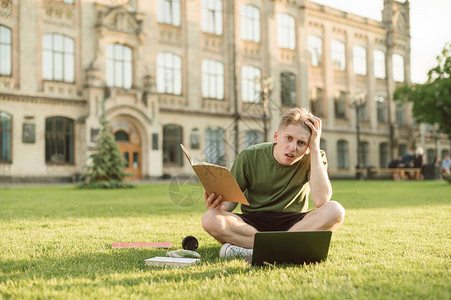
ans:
x=418 y=161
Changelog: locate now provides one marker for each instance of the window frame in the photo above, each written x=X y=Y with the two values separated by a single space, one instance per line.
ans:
x=379 y=64
x=169 y=12
x=5 y=47
x=6 y=134
x=52 y=56
x=169 y=77
x=286 y=31
x=288 y=89
x=212 y=17
x=249 y=83
x=56 y=134
x=172 y=142
x=398 y=67
x=250 y=23
x=338 y=55
x=215 y=141
x=212 y=82
x=315 y=48
x=359 y=60
x=342 y=155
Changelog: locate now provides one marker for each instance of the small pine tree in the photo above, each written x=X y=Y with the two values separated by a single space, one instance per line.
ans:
x=107 y=169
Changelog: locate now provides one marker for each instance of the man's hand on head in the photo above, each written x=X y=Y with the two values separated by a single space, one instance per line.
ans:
x=315 y=124
x=214 y=202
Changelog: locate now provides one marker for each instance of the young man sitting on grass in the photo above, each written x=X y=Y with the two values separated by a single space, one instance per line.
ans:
x=277 y=179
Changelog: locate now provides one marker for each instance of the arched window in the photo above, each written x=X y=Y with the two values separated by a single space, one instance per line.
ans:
x=59 y=140
x=121 y=136
x=381 y=109
x=383 y=155
x=212 y=16
x=252 y=137
x=215 y=146
x=342 y=155
x=250 y=23
x=58 y=62
x=5 y=137
x=250 y=84
x=212 y=79
x=288 y=88
x=286 y=31
x=172 y=138
x=365 y=148
x=5 y=51
x=119 y=66
x=169 y=73
x=430 y=156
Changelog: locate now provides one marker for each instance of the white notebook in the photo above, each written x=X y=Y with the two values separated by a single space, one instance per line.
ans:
x=160 y=261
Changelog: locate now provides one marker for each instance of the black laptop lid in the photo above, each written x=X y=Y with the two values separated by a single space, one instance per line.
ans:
x=290 y=247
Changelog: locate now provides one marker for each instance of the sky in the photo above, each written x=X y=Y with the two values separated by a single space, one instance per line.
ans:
x=430 y=28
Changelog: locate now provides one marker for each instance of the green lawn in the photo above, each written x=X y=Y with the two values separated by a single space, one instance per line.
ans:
x=55 y=242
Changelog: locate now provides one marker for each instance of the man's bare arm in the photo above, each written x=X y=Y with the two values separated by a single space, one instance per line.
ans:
x=320 y=187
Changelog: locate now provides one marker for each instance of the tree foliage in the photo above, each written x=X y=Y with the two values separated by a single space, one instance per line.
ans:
x=431 y=100
x=107 y=168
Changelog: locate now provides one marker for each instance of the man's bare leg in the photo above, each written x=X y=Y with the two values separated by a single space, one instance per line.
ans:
x=327 y=217
x=227 y=227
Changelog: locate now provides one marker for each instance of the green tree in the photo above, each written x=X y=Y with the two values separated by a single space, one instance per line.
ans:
x=431 y=100
x=107 y=168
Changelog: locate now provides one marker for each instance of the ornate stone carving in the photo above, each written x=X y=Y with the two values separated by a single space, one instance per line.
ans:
x=5 y=8
x=119 y=18
x=59 y=14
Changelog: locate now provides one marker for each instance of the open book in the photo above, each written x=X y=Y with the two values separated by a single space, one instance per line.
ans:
x=217 y=179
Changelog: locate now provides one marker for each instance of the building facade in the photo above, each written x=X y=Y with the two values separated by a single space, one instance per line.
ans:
x=214 y=75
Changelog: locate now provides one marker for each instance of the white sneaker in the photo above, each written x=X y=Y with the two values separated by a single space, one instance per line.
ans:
x=229 y=250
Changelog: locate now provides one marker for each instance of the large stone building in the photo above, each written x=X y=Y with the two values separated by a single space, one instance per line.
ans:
x=214 y=75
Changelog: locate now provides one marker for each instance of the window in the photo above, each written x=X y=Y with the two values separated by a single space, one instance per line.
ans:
x=250 y=84
x=359 y=54
x=169 y=12
x=5 y=51
x=315 y=48
x=286 y=32
x=172 y=138
x=169 y=73
x=252 y=137
x=365 y=154
x=59 y=140
x=400 y=115
x=383 y=155
x=212 y=16
x=119 y=70
x=250 y=23
x=316 y=101
x=363 y=115
x=444 y=153
x=215 y=143
x=58 y=58
x=212 y=79
x=67 y=1
x=340 y=105
x=288 y=89
x=5 y=137
x=379 y=64
x=430 y=156
x=121 y=136
x=381 y=109
x=398 y=67
x=338 y=55
x=342 y=155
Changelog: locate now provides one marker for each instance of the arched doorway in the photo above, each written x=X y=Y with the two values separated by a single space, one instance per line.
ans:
x=129 y=141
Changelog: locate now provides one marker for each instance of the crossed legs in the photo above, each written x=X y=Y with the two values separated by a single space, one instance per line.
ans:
x=227 y=227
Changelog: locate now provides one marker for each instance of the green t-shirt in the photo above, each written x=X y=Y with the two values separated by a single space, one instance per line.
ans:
x=270 y=186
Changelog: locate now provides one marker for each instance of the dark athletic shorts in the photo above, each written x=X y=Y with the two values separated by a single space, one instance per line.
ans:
x=272 y=221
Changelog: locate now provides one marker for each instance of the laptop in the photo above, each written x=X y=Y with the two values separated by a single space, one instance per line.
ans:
x=290 y=247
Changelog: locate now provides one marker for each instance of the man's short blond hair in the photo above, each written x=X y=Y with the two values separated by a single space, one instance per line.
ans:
x=295 y=116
